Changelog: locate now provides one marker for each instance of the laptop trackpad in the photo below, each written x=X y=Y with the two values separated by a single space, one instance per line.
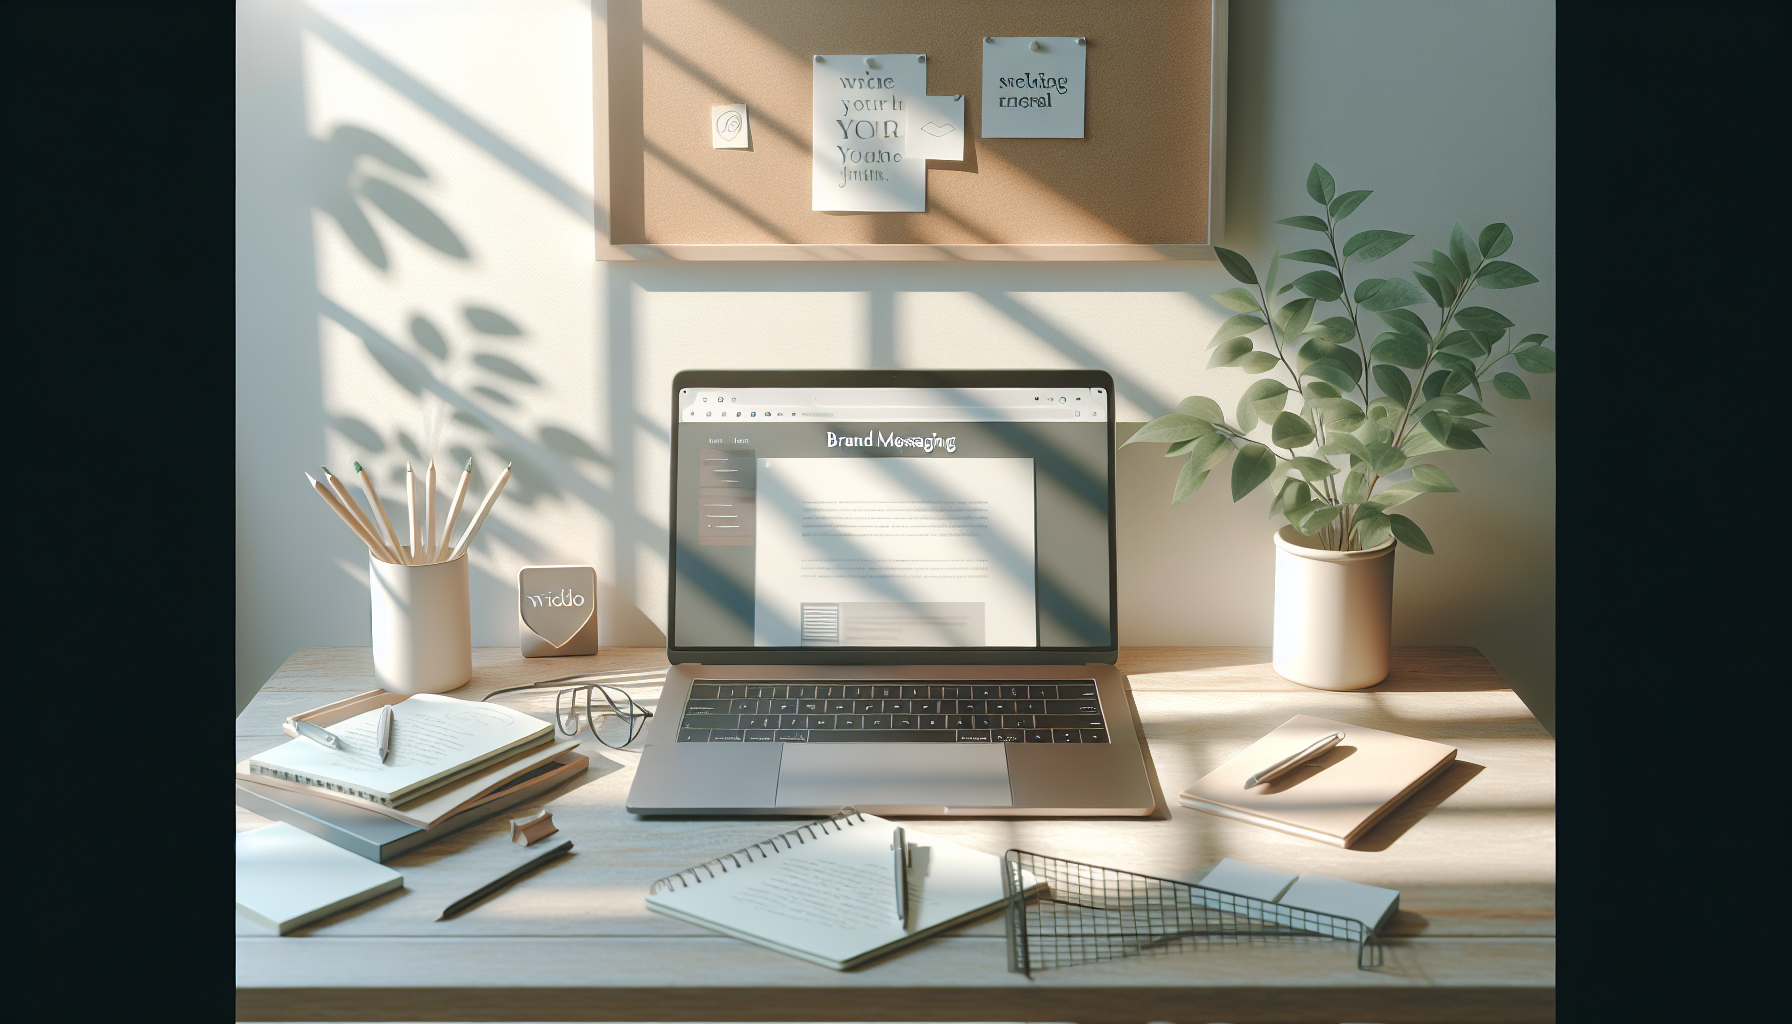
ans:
x=868 y=774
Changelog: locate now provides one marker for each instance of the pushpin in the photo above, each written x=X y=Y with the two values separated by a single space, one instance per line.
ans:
x=1034 y=46
x=1082 y=40
x=818 y=59
x=921 y=58
x=870 y=63
x=989 y=39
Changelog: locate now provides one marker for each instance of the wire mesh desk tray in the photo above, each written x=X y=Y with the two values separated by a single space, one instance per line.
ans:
x=1071 y=913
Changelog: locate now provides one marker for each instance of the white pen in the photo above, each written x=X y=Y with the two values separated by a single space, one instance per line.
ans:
x=1296 y=759
x=384 y=735
x=317 y=734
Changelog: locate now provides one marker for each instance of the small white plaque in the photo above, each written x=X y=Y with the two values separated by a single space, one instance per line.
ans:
x=860 y=160
x=1033 y=87
x=728 y=127
x=936 y=127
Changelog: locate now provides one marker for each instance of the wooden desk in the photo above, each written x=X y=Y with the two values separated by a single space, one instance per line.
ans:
x=1473 y=855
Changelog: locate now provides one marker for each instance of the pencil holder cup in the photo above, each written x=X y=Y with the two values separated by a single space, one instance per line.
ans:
x=422 y=626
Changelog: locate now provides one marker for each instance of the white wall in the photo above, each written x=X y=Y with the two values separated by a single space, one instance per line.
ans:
x=1446 y=110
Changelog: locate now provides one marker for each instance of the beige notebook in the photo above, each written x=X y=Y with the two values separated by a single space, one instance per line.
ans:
x=1334 y=798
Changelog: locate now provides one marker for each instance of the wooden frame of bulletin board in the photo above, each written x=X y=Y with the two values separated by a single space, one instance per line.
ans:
x=1146 y=183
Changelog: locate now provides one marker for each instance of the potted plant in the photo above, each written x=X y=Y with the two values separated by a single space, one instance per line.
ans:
x=1369 y=411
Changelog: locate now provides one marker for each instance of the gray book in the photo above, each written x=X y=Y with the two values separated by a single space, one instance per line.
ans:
x=379 y=838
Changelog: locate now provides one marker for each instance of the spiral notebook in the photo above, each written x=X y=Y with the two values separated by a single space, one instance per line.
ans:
x=826 y=892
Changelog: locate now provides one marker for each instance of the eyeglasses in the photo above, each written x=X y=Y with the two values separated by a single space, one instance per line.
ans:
x=613 y=717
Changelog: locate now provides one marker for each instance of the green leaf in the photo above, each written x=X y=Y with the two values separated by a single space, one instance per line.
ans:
x=1355 y=490
x=1433 y=478
x=1452 y=361
x=1312 y=517
x=1462 y=438
x=1408 y=324
x=1500 y=274
x=1175 y=426
x=1394 y=383
x=1463 y=252
x=1204 y=408
x=1236 y=265
x=1455 y=405
x=1229 y=352
x=1311 y=468
x=1372 y=530
x=1285 y=289
x=1532 y=339
x=1346 y=204
x=1330 y=372
x=1445 y=269
x=1433 y=289
x=1537 y=360
x=1340 y=413
x=1237 y=327
x=1291 y=495
x=1511 y=385
x=1252 y=466
x=1312 y=256
x=1258 y=362
x=1434 y=384
x=1246 y=414
x=1346 y=444
x=1238 y=299
x=1320 y=185
x=1187 y=482
x=1495 y=239
x=1392 y=348
x=1265 y=397
x=1480 y=318
x=1292 y=318
x=1377 y=294
x=1385 y=458
x=1369 y=246
x=1422 y=443
x=1177 y=447
x=1305 y=220
x=1437 y=423
x=1209 y=450
x=1471 y=344
x=1336 y=329
x=1408 y=533
x=1275 y=262
x=1290 y=431
x=1320 y=284
x=1319 y=389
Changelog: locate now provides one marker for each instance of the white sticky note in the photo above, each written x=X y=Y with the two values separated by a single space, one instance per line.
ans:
x=1326 y=895
x=1033 y=93
x=936 y=128
x=286 y=878
x=859 y=157
x=1252 y=880
x=728 y=127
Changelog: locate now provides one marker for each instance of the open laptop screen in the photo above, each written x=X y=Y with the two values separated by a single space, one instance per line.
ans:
x=836 y=520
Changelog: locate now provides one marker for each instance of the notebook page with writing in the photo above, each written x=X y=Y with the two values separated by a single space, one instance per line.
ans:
x=434 y=739
x=831 y=899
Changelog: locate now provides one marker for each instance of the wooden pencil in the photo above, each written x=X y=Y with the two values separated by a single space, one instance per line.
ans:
x=460 y=495
x=410 y=510
x=361 y=517
x=485 y=509
x=368 y=539
x=379 y=507
x=429 y=512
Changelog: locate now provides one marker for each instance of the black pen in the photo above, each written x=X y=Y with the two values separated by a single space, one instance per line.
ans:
x=493 y=886
x=899 y=843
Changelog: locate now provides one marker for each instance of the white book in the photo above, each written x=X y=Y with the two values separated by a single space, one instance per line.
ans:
x=435 y=740
x=287 y=878
x=827 y=892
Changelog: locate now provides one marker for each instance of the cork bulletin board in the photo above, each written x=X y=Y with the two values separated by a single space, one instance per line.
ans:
x=1145 y=183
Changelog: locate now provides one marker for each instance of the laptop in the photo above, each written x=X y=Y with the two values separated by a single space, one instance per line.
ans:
x=893 y=590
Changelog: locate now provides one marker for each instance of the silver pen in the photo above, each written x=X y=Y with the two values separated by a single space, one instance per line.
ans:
x=899 y=844
x=383 y=736
x=317 y=734
x=1296 y=759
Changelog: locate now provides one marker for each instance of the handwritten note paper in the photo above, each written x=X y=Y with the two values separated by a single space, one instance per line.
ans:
x=728 y=127
x=860 y=158
x=1034 y=87
x=938 y=128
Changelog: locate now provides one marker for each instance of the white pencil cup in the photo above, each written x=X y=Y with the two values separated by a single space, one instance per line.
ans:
x=422 y=626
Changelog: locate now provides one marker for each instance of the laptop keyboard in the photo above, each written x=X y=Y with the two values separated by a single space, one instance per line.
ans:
x=745 y=711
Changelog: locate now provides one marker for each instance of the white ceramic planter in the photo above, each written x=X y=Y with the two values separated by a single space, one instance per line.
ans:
x=1334 y=613
x=422 y=626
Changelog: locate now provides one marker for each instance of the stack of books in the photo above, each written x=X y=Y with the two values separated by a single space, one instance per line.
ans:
x=451 y=763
